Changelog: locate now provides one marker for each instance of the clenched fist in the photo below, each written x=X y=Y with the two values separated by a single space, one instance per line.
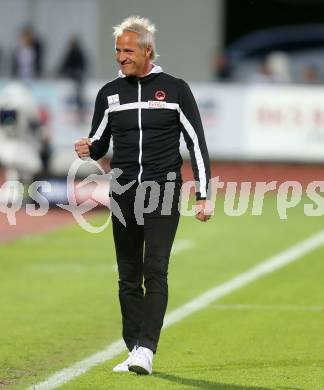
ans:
x=82 y=147
x=205 y=210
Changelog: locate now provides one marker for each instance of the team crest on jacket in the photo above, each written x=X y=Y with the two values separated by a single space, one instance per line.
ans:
x=159 y=95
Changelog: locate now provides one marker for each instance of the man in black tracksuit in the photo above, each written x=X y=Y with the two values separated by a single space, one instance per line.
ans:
x=145 y=111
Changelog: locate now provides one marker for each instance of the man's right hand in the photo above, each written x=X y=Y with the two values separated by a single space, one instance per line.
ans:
x=82 y=147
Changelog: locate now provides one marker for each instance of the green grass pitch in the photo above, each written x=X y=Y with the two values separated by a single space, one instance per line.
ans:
x=59 y=304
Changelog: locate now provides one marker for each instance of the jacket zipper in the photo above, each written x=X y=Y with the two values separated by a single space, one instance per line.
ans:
x=140 y=132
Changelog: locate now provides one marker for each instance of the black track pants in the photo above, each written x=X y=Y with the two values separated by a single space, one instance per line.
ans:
x=143 y=253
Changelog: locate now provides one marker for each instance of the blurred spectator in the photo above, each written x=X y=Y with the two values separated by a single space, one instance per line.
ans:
x=74 y=66
x=27 y=60
x=311 y=75
x=274 y=69
x=221 y=67
x=279 y=66
x=39 y=50
x=264 y=74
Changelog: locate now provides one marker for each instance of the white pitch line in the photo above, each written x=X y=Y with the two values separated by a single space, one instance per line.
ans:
x=181 y=245
x=201 y=302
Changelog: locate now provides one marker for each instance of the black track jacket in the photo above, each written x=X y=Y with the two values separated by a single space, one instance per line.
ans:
x=145 y=117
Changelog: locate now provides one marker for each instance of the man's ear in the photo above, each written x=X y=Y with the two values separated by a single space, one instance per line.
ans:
x=148 y=51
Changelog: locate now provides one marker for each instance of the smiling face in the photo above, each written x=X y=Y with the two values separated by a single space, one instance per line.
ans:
x=133 y=59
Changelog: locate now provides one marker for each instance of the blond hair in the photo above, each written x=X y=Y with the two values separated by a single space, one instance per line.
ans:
x=141 y=26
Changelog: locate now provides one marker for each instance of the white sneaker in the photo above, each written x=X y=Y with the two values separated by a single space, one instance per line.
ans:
x=141 y=361
x=123 y=366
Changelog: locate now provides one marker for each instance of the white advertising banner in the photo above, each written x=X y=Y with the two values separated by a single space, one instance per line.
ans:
x=221 y=108
x=285 y=123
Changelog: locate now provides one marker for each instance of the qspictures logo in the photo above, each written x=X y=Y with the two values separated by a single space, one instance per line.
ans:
x=238 y=198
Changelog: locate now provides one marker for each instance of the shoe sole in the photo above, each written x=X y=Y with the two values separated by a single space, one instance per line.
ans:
x=138 y=370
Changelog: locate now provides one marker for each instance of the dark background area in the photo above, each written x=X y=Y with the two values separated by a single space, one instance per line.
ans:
x=246 y=16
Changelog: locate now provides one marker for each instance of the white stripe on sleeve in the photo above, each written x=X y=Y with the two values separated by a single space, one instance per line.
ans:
x=199 y=159
x=97 y=135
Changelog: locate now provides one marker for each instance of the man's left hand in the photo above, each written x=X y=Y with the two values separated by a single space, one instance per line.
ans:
x=205 y=213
